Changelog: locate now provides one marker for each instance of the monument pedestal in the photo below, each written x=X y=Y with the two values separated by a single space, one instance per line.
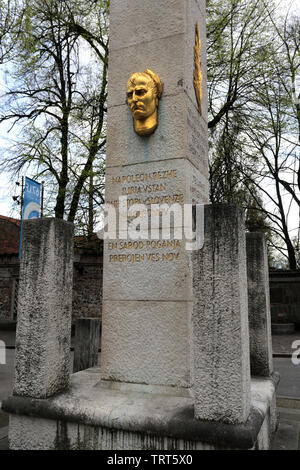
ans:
x=93 y=416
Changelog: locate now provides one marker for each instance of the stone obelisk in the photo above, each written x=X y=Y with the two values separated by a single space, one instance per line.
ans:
x=148 y=298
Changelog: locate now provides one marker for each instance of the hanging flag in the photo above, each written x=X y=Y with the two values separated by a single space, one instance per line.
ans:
x=31 y=204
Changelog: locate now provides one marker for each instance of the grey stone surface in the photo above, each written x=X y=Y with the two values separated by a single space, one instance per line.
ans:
x=133 y=22
x=261 y=360
x=86 y=344
x=90 y=416
x=163 y=182
x=45 y=307
x=146 y=342
x=181 y=133
x=154 y=271
x=220 y=319
x=139 y=29
x=7 y=374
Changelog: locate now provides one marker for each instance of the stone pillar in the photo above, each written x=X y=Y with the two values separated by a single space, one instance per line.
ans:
x=147 y=299
x=261 y=358
x=44 y=308
x=220 y=319
x=86 y=344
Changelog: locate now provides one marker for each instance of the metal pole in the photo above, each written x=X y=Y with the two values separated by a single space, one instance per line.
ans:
x=22 y=196
x=42 y=202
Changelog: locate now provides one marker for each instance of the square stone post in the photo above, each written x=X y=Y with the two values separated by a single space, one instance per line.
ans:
x=220 y=319
x=44 y=308
x=261 y=358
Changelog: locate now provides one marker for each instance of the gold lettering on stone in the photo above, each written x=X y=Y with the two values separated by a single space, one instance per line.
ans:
x=144 y=177
x=144 y=246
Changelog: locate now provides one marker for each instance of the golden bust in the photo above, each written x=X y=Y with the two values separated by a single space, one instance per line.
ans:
x=144 y=90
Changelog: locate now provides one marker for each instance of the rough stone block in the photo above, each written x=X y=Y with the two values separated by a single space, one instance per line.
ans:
x=261 y=358
x=220 y=319
x=44 y=309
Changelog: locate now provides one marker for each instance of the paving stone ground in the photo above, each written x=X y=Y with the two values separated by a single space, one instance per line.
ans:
x=282 y=344
x=288 y=434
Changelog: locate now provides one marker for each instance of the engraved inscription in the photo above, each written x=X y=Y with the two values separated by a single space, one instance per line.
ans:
x=118 y=251
x=146 y=188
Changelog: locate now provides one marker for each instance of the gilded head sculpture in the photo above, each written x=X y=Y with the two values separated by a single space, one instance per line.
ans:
x=144 y=91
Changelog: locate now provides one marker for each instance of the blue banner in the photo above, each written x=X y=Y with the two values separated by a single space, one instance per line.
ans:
x=31 y=204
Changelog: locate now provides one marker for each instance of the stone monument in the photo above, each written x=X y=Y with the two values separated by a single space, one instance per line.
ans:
x=148 y=291
x=175 y=360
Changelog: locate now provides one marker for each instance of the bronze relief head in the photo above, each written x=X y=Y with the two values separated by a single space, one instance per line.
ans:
x=144 y=90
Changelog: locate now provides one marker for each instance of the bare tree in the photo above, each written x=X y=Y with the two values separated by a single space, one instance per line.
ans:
x=57 y=100
x=254 y=139
x=10 y=20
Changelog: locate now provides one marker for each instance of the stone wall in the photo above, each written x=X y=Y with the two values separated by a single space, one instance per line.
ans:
x=9 y=274
x=9 y=264
x=285 y=296
x=87 y=290
x=88 y=279
x=87 y=286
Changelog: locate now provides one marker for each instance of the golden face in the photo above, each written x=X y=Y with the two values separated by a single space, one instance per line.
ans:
x=141 y=97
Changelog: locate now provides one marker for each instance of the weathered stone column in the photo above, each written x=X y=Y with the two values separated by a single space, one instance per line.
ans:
x=261 y=358
x=147 y=298
x=220 y=319
x=86 y=343
x=44 y=308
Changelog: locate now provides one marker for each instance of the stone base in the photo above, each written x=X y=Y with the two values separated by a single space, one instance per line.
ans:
x=94 y=416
